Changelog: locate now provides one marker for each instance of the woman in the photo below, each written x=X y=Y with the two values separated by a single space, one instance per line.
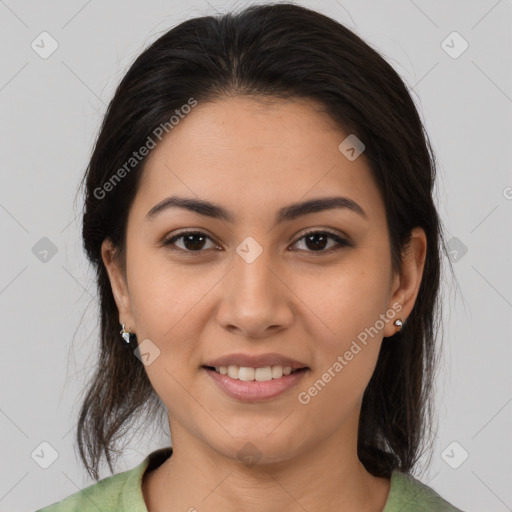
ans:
x=258 y=208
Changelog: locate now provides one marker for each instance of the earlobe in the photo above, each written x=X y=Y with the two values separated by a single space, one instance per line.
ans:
x=409 y=280
x=117 y=282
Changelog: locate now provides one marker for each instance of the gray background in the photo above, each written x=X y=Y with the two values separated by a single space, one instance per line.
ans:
x=50 y=113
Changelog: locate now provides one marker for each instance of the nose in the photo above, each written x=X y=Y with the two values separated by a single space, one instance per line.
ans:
x=255 y=300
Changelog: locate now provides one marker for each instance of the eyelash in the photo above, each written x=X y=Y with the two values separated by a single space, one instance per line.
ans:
x=341 y=242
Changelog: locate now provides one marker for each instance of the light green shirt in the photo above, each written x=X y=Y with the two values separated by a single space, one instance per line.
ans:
x=123 y=492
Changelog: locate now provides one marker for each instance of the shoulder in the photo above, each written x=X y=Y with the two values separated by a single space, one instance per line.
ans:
x=122 y=491
x=407 y=494
x=105 y=495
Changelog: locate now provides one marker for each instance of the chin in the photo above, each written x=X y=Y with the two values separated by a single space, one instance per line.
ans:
x=259 y=449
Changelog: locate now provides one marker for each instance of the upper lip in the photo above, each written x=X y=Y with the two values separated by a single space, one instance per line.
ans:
x=255 y=361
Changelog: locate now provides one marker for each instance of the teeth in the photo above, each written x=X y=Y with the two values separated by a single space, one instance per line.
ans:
x=258 y=374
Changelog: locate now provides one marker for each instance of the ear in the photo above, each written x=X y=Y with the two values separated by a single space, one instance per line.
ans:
x=118 y=284
x=407 y=284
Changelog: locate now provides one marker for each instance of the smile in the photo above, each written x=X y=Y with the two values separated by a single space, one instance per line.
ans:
x=259 y=374
x=255 y=384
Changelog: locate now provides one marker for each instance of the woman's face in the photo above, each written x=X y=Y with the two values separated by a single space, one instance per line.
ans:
x=255 y=286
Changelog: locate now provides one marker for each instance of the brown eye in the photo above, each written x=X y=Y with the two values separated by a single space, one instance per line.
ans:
x=316 y=241
x=193 y=241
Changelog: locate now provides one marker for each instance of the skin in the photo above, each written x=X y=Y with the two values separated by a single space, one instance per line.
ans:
x=295 y=300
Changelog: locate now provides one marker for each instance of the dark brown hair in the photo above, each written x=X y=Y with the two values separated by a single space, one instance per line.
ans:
x=274 y=51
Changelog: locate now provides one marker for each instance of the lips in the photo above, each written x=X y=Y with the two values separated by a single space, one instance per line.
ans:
x=255 y=361
x=253 y=390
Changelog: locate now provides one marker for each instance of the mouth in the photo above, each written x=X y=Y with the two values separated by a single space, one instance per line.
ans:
x=260 y=374
x=251 y=385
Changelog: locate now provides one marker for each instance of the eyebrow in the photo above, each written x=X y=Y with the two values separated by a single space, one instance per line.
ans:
x=285 y=214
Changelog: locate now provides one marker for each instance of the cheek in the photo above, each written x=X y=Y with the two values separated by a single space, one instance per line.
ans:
x=165 y=303
x=348 y=300
x=347 y=340
x=165 y=296
x=345 y=299
x=169 y=306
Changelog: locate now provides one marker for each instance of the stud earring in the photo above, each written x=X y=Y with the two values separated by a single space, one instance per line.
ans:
x=398 y=322
x=127 y=335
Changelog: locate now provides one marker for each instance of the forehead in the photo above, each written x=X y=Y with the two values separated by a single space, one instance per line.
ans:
x=248 y=154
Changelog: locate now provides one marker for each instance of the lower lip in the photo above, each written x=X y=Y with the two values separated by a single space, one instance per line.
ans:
x=252 y=390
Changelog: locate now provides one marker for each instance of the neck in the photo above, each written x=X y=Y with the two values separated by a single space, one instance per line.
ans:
x=320 y=477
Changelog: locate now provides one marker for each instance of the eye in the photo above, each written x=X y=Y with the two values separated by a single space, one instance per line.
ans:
x=317 y=240
x=193 y=241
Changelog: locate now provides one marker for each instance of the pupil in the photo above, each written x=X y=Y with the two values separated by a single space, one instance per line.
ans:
x=189 y=238
x=315 y=241
x=313 y=236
